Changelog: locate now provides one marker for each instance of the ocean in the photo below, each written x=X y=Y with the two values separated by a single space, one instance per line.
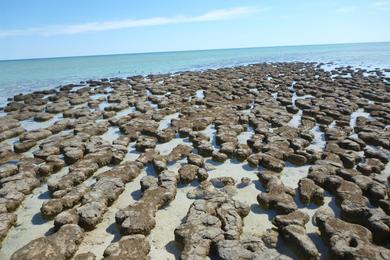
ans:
x=22 y=76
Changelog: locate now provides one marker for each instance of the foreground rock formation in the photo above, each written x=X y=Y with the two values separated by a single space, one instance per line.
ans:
x=267 y=161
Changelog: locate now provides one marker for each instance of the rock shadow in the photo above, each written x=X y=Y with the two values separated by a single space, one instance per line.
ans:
x=38 y=219
x=174 y=248
x=320 y=244
x=256 y=209
x=45 y=195
x=136 y=195
x=114 y=230
x=150 y=170
x=301 y=205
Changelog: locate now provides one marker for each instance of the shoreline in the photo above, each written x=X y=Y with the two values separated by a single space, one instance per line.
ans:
x=261 y=146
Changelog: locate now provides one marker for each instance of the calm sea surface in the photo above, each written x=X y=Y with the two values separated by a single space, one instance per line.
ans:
x=21 y=76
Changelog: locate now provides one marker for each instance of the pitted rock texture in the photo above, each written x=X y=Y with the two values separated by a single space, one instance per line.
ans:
x=70 y=155
x=61 y=245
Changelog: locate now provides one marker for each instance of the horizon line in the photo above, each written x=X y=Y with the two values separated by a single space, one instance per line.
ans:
x=189 y=50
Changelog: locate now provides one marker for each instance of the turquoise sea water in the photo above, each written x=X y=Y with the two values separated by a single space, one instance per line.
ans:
x=21 y=76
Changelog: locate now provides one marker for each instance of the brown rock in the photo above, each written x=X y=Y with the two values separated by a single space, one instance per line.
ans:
x=60 y=245
x=188 y=173
x=310 y=192
x=134 y=247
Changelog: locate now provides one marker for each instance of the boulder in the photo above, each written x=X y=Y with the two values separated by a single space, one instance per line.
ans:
x=134 y=247
x=91 y=214
x=245 y=181
x=297 y=159
x=51 y=208
x=7 y=170
x=188 y=173
x=138 y=218
x=248 y=248
x=66 y=217
x=202 y=174
x=7 y=220
x=349 y=241
x=296 y=237
x=310 y=192
x=208 y=221
x=205 y=149
x=60 y=245
x=195 y=159
x=219 y=157
x=276 y=197
x=296 y=217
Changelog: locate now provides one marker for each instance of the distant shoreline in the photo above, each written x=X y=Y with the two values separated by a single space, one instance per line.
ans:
x=194 y=50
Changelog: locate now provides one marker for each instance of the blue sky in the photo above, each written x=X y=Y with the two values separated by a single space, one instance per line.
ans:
x=47 y=28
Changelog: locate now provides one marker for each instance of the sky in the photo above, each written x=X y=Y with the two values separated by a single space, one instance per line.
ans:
x=47 y=28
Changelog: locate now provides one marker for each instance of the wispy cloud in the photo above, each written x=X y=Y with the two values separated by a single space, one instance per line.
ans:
x=383 y=4
x=346 y=9
x=216 y=15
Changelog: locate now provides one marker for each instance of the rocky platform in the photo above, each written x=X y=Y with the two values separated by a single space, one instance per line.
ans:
x=266 y=161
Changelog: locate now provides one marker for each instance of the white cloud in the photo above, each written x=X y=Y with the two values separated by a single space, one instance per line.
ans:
x=216 y=15
x=346 y=9
x=382 y=3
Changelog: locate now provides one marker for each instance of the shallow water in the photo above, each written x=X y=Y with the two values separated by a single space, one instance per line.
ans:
x=11 y=141
x=103 y=105
x=319 y=141
x=166 y=122
x=167 y=147
x=356 y=114
x=295 y=97
x=244 y=136
x=98 y=96
x=200 y=94
x=31 y=124
x=211 y=132
x=112 y=134
x=296 y=120
x=18 y=76
x=125 y=112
